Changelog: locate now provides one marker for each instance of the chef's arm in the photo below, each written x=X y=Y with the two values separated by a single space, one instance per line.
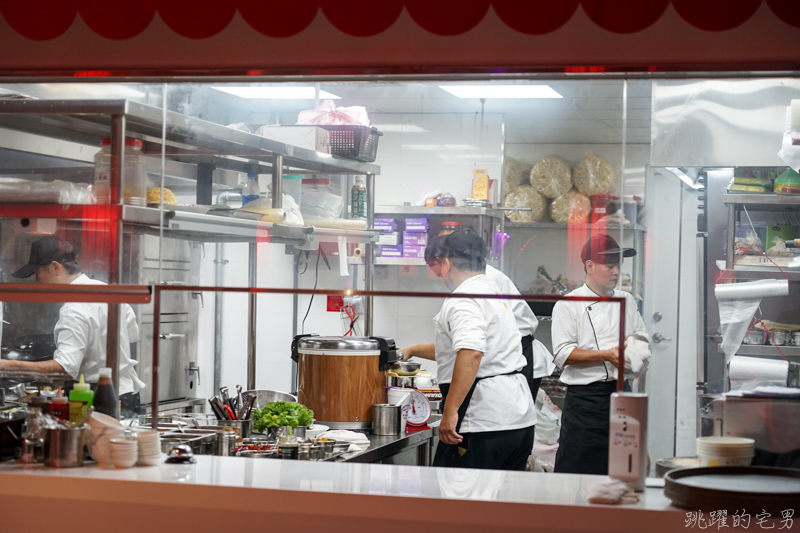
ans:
x=464 y=373
x=43 y=367
x=423 y=351
x=579 y=355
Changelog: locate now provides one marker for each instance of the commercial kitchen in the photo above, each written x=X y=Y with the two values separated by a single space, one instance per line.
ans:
x=265 y=242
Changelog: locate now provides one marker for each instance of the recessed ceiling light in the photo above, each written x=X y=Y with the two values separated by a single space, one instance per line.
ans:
x=501 y=91
x=284 y=93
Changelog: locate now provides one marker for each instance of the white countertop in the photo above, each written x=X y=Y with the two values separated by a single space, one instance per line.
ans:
x=319 y=495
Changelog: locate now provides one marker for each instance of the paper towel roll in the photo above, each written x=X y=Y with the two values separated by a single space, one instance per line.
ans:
x=747 y=373
x=358 y=252
x=795 y=115
x=752 y=289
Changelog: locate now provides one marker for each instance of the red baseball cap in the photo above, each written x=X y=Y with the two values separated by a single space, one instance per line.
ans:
x=604 y=249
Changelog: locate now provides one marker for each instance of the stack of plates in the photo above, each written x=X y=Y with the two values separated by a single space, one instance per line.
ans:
x=103 y=428
x=124 y=452
x=725 y=451
x=149 y=446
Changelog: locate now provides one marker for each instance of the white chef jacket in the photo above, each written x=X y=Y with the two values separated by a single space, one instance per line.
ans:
x=591 y=326
x=487 y=325
x=81 y=334
x=526 y=322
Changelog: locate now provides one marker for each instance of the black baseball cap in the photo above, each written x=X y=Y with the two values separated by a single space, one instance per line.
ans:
x=466 y=244
x=604 y=249
x=45 y=251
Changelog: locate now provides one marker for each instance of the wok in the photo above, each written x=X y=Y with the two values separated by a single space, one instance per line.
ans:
x=27 y=348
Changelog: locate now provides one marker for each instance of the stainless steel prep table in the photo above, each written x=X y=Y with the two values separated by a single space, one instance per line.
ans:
x=415 y=448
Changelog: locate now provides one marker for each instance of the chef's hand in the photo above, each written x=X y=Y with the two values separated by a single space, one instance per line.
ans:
x=406 y=354
x=612 y=356
x=447 y=428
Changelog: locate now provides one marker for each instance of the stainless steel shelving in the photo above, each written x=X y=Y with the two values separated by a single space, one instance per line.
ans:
x=767 y=351
x=555 y=225
x=389 y=261
x=189 y=139
x=437 y=211
x=763 y=202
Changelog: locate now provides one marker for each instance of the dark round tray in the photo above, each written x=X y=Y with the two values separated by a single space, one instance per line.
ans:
x=752 y=488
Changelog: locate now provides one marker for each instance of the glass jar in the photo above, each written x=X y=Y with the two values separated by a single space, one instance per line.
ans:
x=134 y=179
x=448 y=227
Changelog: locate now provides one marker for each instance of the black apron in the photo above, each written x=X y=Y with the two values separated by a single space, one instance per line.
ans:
x=527 y=371
x=583 y=442
x=449 y=454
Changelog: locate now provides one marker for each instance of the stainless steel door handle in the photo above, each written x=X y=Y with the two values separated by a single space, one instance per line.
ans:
x=171 y=336
x=658 y=337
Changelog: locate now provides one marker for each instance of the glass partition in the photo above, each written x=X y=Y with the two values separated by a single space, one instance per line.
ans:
x=535 y=167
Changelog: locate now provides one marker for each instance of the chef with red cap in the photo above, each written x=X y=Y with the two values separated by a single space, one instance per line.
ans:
x=585 y=338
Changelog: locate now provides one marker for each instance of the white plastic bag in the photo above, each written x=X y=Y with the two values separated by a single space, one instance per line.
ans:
x=328 y=114
x=292 y=210
x=320 y=202
x=548 y=424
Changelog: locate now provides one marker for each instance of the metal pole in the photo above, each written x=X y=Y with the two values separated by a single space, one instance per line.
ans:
x=277 y=181
x=219 y=262
x=156 y=342
x=369 y=256
x=115 y=252
x=251 y=305
x=295 y=305
x=621 y=363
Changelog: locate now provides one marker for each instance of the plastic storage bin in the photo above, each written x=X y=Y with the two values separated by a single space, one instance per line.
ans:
x=134 y=179
x=354 y=142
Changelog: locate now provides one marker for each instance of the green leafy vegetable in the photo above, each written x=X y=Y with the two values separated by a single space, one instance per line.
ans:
x=277 y=414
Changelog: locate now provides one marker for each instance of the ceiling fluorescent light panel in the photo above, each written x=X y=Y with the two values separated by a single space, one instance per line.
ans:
x=282 y=93
x=501 y=91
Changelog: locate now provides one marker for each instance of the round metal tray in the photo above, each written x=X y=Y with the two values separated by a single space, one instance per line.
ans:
x=734 y=487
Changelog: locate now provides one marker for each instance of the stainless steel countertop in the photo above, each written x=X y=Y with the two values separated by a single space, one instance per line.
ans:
x=385 y=446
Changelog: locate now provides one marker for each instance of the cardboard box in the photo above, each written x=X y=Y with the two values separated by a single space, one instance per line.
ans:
x=385 y=224
x=392 y=251
x=415 y=239
x=480 y=184
x=416 y=225
x=416 y=252
x=390 y=239
x=308 y=137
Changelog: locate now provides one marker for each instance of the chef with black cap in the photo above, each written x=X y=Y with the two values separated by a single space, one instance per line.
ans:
x=489 y=416
x=585 y=344
x=82 y=327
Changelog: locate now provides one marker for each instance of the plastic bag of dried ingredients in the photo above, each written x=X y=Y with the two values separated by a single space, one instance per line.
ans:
x=515 y=174
x=328 y=114
x=594 y=175
x=526 y=196
x=571 y=208
x=552 y=177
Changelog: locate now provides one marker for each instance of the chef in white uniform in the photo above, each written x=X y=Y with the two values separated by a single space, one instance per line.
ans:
x=585 y=342
x=489 y=416
x=539 y=360
x=81 y=331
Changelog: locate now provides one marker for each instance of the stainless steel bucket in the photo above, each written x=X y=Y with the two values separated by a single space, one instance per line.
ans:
x=63 y=448
x=386 y=419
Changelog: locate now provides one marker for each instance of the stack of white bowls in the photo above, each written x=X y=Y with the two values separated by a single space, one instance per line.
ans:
x=149 y=446
x=725 y=451
x=102 y=429
x=124 y=452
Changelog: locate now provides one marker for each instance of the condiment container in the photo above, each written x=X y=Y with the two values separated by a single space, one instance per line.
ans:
x=59 y=407
x=603 y=205
x=134 y=179
x=386 y=419
x=80 y=399
x=796 y=338
x=105 y=399
x=779 y=338
x=448 y=227
x=63 y=448
x=755 y=336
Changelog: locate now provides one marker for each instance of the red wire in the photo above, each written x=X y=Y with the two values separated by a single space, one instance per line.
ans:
x=351 y=314
x=759 y=321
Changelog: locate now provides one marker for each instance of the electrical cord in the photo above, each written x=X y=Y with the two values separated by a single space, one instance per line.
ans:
x=320 y=253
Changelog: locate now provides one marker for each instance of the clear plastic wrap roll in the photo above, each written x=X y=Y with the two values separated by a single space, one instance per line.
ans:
x=570 y=208
x=594 y=175
x=552 y=177
x=526 y=196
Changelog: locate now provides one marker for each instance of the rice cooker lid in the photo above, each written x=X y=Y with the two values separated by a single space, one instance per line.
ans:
x=365 y=345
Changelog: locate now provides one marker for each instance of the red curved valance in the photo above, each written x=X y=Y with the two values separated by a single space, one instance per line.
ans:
x=197 y=19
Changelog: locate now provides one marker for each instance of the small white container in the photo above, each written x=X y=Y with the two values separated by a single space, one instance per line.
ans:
x=725 y=451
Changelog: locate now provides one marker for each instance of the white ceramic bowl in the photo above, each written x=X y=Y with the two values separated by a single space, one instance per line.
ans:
x=100 y=420
x=316 y=430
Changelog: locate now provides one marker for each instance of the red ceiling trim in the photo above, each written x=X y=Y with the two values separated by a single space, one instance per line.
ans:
x=198 y=19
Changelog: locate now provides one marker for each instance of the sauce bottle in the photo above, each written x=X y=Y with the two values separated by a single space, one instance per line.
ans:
x=105 y=399
x=80 y=399
x=59 y=407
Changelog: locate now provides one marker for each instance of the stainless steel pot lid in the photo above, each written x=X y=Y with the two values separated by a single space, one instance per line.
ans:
x=338 y=343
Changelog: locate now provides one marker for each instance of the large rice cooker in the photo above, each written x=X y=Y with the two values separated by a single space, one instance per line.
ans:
x=340 y=378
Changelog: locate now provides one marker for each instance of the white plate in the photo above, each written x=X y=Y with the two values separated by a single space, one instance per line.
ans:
x=316 y=430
